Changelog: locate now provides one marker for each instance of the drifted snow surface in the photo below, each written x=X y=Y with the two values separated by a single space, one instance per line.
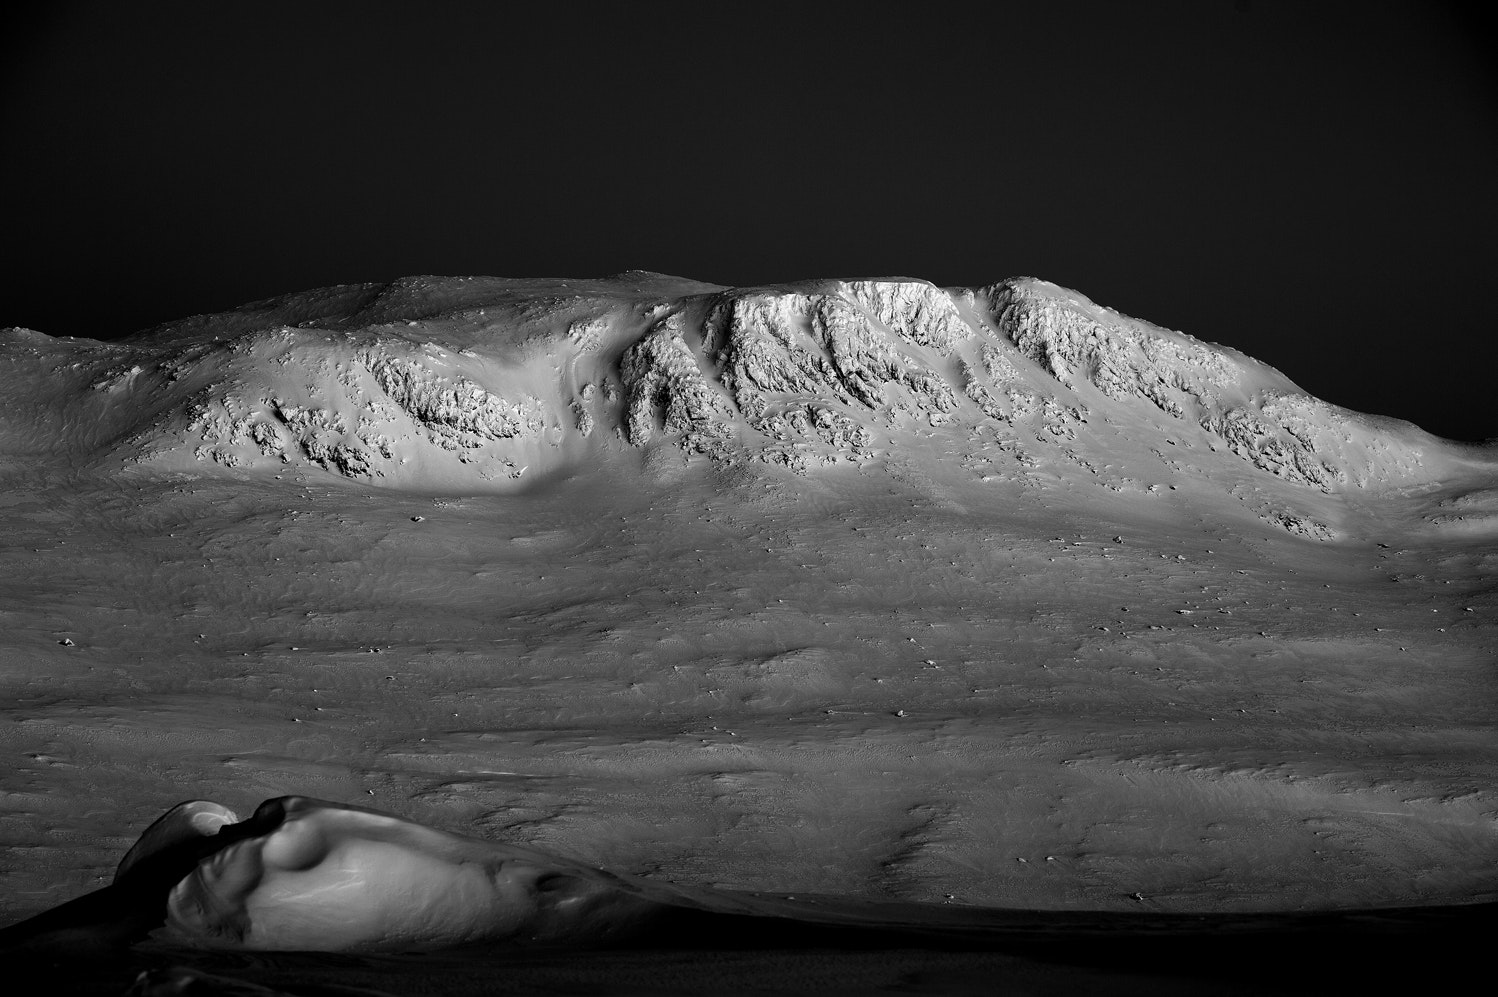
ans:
x=202 y=889
x=986 y=598
x=303 y=874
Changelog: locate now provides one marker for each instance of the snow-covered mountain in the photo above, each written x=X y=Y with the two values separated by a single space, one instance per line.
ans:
x=861 y=590
x=489 y=384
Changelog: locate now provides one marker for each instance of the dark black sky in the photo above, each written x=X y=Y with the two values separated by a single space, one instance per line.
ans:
x=1312 y=183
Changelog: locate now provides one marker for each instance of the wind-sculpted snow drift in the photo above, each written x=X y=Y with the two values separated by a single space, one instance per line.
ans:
x=326 y=884
x=305 y=874
x=432 y=382
x=309 y=875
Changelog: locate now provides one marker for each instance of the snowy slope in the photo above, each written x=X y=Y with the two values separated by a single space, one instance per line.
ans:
x=976 y=598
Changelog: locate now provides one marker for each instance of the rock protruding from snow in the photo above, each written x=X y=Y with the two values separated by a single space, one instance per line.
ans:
x=1077 y=341
x=916 y=311
x=1262 y=442
x=863 y=362
x=840 y=345
x=665 y=389
x=451 y=405
x=1254 y=410
x=761 y=348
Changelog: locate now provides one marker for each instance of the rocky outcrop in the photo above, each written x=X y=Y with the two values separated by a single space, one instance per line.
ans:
x=864 y=363
x=917 y=312
x=1076 y=342
x=760 y=347
x=847 y=343
x=1264 y=445
x=451 y=406
x=1068 y=339
x=665 y=390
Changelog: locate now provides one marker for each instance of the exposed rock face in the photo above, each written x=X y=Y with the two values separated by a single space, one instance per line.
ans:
x=761 y=347
x=862 y=361
x=450 y=405
x=510 y=377
x=1274 y=429
x=1121 y=361
x=664 y=388
x=830 y=344
x=913 y=310
x=1263 y=444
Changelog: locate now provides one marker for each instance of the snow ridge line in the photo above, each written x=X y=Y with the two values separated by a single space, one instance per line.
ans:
x=803 y=376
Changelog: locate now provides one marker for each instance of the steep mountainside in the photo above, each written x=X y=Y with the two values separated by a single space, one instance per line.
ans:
x=483 y=383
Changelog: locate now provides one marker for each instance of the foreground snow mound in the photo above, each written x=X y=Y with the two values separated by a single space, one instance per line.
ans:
x=312 y=876
x=303 y=874
x=483 y=383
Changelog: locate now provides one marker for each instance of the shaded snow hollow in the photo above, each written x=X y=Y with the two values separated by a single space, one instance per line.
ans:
x=488 y=384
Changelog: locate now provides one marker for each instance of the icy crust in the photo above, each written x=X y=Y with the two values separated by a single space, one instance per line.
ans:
x=427 y=380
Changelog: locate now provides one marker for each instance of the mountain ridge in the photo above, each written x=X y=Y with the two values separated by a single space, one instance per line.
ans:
x=476 y=381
